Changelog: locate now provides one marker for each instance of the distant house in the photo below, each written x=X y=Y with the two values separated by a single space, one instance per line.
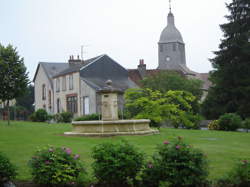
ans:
x=74 y=86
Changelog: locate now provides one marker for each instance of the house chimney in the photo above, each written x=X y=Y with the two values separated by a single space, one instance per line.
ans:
x=73 y=61
x=142 y=68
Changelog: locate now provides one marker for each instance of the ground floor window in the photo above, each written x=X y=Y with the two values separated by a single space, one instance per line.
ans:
x=58 y=105
x=86 y=105
x=72 y=104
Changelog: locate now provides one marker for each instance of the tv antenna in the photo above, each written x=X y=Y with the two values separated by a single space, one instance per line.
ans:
x=82 y=50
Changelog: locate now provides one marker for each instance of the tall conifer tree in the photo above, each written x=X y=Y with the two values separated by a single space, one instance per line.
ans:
x=231 y=75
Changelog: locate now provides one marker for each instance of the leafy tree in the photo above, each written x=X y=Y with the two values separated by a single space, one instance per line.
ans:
x=230 y=77
x=172 y=106
x=13 y=75
x=27 y=100
x=170 y=80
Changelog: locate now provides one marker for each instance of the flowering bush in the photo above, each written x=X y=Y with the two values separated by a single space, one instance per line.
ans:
x=238 y=177
x=52 y=166
x=214 y=125
x=7 y=169
x=176 y=164
x=116 y=164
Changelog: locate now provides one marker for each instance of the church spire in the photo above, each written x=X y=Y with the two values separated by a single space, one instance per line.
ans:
x=170 y=15
x=170 y=8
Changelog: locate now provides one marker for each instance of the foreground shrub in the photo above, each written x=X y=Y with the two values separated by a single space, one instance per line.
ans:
x=238 y=177
x=53 y=166
x=7 y=169
x=214 y=125
x=229 y=122
x=40 y=115
x=89 y=117
x=116 y=164
x=176 y=164
x=64 y=117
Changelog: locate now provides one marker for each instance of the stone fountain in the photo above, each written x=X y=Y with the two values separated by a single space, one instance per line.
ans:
x=110 y=125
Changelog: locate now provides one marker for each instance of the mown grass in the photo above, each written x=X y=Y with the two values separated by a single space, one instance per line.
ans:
x=21 y=139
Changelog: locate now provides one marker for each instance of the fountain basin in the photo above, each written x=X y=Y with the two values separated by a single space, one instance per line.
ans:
x=111 y=128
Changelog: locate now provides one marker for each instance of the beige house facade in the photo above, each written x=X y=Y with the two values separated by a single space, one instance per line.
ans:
x=73 y=86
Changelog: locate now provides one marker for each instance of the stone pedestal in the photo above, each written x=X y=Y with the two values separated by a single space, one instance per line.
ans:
x=109 y=106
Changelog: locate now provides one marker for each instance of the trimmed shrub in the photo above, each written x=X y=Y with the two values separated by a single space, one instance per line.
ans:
x=246 y=124
x=176 y=164
x=7 y=169
x=229 y=122
x=52 y=166
x=116 y=164
x=214 y=125
x=238 y=177
x=40 y=115
x=195 y=120
x=64 y=117
x=57 y=117
x=89 y=117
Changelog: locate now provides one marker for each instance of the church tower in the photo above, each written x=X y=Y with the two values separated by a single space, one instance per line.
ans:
x=171 y=48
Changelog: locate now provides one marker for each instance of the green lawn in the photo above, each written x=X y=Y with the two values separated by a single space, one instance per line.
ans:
x=20 y=140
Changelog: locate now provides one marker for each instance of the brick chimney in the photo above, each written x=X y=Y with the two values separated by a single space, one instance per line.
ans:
x=142 y=68
x=73 y=61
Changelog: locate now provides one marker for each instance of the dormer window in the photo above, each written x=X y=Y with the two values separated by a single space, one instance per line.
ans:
x=43 y=91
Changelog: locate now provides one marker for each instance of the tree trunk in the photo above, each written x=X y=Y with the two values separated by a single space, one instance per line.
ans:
x=8 y=111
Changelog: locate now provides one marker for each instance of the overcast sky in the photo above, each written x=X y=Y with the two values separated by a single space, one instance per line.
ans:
x=126 y=30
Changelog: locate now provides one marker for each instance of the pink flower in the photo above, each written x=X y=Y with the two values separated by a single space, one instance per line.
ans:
x=177 y=147
x=76 y=156
x=68 y=151
x=47 y=162
x=166 y=142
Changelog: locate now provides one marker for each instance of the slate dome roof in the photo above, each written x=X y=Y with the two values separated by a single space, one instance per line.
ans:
x=171 y=33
